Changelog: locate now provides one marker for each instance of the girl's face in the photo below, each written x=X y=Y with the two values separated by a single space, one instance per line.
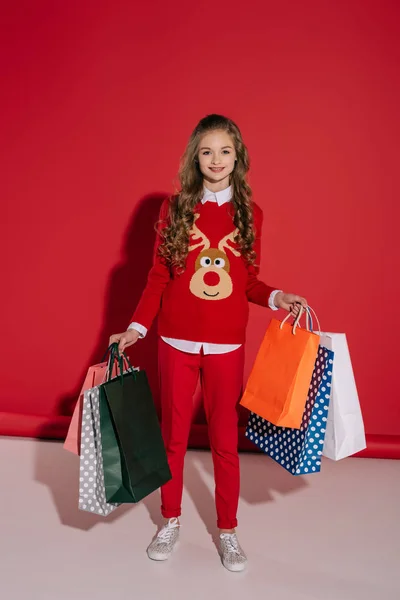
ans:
x=216 y=158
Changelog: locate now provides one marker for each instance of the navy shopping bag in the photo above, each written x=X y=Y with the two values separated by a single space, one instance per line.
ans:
x=299 y=451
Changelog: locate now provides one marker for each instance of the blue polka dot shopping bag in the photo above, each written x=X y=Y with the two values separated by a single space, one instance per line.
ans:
x=299 y=451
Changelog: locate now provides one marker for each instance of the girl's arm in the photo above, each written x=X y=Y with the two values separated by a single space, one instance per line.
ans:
x=157 y=280
x=257 y=291
x=260 y=293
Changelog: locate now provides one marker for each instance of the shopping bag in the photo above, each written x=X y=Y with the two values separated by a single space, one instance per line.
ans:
x=95 y=375
x=278 y=383
x=91 y=474
x=345 y=433
x=299 y=451
x=134 y=456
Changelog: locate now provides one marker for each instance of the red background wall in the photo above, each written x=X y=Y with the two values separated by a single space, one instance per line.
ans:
x=98 y=101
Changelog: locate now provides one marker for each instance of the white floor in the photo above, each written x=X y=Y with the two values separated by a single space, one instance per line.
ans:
x=329 y=536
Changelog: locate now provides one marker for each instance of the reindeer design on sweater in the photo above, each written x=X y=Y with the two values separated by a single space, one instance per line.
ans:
x=211 y=279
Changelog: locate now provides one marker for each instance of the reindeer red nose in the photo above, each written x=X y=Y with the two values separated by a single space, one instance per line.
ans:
x=211 y=278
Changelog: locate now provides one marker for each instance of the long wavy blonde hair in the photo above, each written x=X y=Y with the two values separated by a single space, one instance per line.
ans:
x=175 y=231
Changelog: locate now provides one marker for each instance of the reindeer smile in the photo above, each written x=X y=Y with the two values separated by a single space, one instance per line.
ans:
x=211 y=295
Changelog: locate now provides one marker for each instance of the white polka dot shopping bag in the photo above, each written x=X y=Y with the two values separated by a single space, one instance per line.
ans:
x=91 y=477
x=299 y=451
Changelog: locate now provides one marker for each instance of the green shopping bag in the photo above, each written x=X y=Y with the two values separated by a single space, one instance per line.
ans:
x=134 y=458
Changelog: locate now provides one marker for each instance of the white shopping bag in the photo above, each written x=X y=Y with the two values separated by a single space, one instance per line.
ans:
x=345 y=433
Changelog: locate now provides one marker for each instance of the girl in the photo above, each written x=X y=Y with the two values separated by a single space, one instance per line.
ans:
x=205 y=271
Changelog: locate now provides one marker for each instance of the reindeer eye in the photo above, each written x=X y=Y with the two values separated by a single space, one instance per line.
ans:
x=206 y=261
x=219 y=262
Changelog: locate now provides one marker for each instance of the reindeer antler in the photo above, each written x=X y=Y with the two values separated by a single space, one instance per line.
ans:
x=231 y=238
x=196 y=234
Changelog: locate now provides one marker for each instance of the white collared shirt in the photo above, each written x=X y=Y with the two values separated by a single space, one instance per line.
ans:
x=219 y=197
x=195 y=347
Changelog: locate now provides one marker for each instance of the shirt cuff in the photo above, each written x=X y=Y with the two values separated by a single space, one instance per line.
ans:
x=140 y=328
x=271 y=300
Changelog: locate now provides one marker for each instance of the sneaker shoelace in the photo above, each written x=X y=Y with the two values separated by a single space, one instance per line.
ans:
x=166 y=532
x=231 y=543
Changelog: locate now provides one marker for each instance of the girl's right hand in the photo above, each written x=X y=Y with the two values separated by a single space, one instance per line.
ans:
x=125 y=339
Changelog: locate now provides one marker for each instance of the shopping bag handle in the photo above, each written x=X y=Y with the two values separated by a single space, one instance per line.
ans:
x=120 y=359
x=295 y=322
x=310 y=310
x=309 y=320
x=114 y=354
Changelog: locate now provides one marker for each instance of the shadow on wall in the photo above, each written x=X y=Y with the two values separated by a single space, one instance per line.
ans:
x=125 y=285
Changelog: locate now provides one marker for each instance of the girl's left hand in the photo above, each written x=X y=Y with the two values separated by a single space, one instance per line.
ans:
x=290 y=302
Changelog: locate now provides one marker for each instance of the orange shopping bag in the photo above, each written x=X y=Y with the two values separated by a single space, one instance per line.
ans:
x=95 y=376
x=279 y=381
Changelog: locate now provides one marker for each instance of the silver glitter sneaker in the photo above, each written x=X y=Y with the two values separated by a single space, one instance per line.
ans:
x=162 y=546
x=232 y=555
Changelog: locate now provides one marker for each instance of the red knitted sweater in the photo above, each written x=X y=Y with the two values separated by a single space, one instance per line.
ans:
x=209 y=301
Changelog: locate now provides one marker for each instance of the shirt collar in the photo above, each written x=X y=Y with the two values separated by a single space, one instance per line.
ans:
x=219 y=197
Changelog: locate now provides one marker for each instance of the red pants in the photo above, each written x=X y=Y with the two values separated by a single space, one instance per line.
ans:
x=221 y=381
